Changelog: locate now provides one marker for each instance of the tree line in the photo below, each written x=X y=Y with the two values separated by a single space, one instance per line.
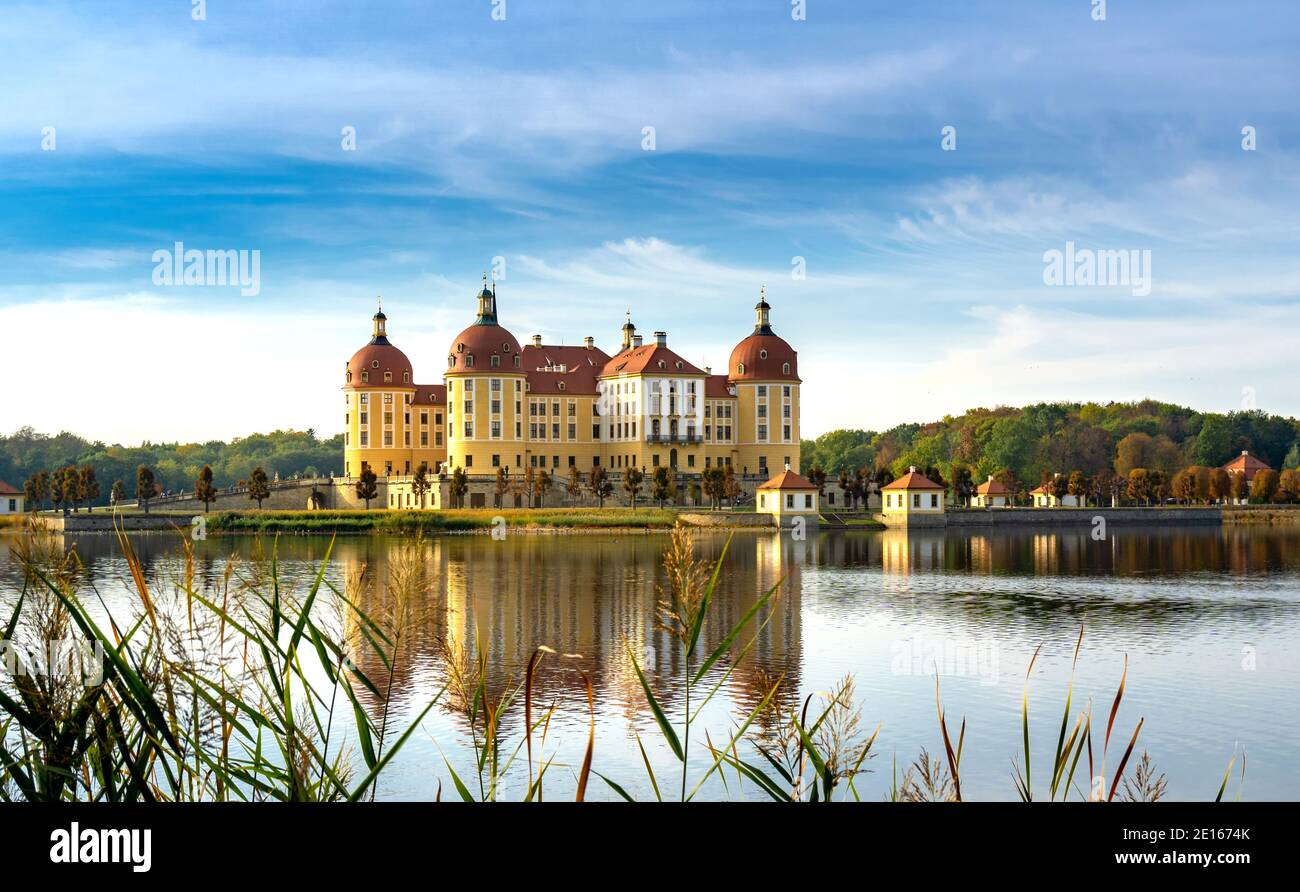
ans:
x=175 y=466
x=1045 y=438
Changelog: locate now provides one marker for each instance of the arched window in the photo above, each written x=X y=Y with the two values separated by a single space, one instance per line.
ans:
x=406 y=377
x=496 y=361
x=740 y=369
x=451 y=362
x=561 y=385
x=365 y=377
x=785 y=369
x=469 y=360
x=516 y=360
x=349 y=376
x=388 y=376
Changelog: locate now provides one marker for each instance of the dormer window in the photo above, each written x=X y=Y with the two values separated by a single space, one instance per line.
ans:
x=406 y=377
x=785 y=369
x=451 y=362
x=349 y=376
x=365 y=377
x=662 y=364
x=516 y=360
x=740 y=368
x=388 y=377
x=496 y=361
x=469 y=360
x=561 y=385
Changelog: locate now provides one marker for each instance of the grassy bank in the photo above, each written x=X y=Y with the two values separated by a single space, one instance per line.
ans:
x=383 y=521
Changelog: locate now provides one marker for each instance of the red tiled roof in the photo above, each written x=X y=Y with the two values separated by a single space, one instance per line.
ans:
x=788 y=479
x=1040 y=491
x=1246 y=463
x=581 y=367
x=764 y=358
x=646 y=359
x=991 y=488
x=717 y=387
x=913 y=480
x=374 y=359
x=430 y=393
x=7 y=490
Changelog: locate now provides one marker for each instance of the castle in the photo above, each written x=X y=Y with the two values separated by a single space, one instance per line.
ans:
x=570 y=408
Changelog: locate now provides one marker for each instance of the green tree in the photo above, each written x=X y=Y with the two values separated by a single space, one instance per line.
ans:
x=458 y=487
x=259 y=486
x=632 y=479
x=420 y=484
x=1214 y=442
x=962 y=486
x=367 y=484
x=117 y=493
x=145 y=486
x=204 y=491
x=661 y=481
x=87 y=487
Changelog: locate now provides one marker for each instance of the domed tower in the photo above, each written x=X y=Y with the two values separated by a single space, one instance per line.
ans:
x=377 y=391
x=765 y=372
x=485 y=394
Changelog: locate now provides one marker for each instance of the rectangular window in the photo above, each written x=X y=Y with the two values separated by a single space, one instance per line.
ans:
x=388 y=438
x=789 y=500
x=365 y=417
x=807 y=501
x=424 y=438
x=934 y=501
x=573 y=432
x=496 y=430
x=469 y=429
x=916 y=500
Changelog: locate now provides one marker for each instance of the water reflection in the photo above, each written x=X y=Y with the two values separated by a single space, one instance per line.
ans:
x=1179 y=602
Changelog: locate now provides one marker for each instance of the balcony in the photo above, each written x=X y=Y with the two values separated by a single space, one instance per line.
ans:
x=680 y=439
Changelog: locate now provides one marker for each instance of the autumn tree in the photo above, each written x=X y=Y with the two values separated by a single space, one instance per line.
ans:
x=817 y=477
x=1288 y=483
x=259 y=486
x=501 y=487
x=573 y=486
x=632 y=479
x=1264 y=485
x=962 y=484
x=730 y=486
x=204 y=491
x=541 y=484
x=88 y=487
x=117 y=492
x=600 y=485
x=1139 y=485
x=1077 y=486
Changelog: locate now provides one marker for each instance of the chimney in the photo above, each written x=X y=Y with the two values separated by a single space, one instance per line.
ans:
x=708 y=370
x=661 y=339
x=787 y=466
x=990 y=478
x=589 y=342
x=636 y=340
x=537 y=340
x=911 y=469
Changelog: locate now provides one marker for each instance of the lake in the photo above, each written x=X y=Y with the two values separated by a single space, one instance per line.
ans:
x=1208 y=618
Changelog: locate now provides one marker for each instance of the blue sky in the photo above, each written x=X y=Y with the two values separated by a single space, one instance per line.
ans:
x=522 y=139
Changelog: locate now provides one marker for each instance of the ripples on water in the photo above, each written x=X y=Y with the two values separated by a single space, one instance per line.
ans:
x=1194 y=609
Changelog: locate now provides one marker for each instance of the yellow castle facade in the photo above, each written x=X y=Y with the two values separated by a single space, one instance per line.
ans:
x=571 y=408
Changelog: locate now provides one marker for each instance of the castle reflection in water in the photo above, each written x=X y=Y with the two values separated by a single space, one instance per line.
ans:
x=595 y=595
